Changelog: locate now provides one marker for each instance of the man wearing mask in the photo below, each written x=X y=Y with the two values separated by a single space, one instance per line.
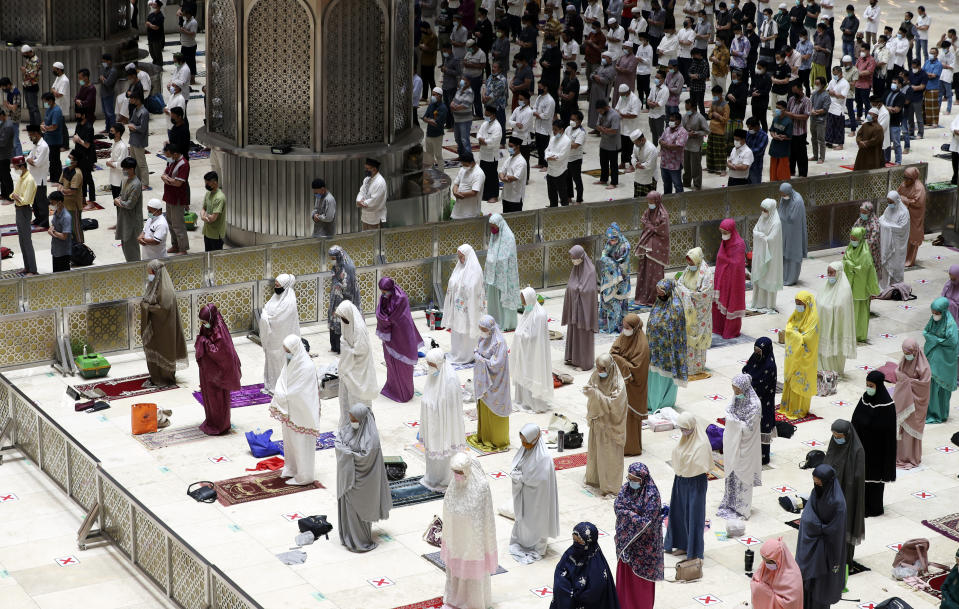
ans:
x=895 y=103
x=108 y=83
x=213 y=213
x=54 y=128
x=752 y=58
x=181 y=72
x=521 y=123
x=625 y=67
x=435 y=119
x=671 y=145
x=628 y=107
x=737 y=96
x=740 y=160
x=756 y=139
x=372 y=196
x=38 y=162
x=156 y=33
x=881 y=54
x=872 y=15
x=674 y=84
x=324 y=209
x=461 y=107
x=593 y=48
x=698 y=78
x=866 y=66
x=615 y=34
x=557 y=160
x=850 y=74
x=60 y=86
x=768 y=34
x=551 y=64
x=813 y=11
x=30 y=72
x=599 y=87
x=474 y=64
x=544 y=108
x=139 y=139
x=577 y=144
x=783 y=23
x=898 y=49
x=452 y=70
x=428 y=47
x=932 y=104
x=608 y=126
x=797 y=18
x=60 y=231
x=10 y=102
x=188 y=30
x=493 y=93
x=23 y=197
x=575 y=24
x=483 y=33
x=822 y=53
x=522 y=79
x=129 y=203
x=645 y=157
x=658 y=97
x=759 y=91
x=513 y=174
x=153 y=238
x=696 y=127
x=849 y=27
x=922 y=33
x=686 y=37
x=948 y=60
x=804 y=49
x=569 y=93
x=644 y=67
x=178 y=135
x=819 y=108
x=176 y=194
x=798 y=109
x=489 y=135
x=466 y=189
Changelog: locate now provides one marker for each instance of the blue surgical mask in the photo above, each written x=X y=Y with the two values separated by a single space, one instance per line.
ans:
x=603 y=375
x=289 y=356
x=853 y=243
x=528 y=308
x=832 y=280
x=207 y=325
x=840 y=441
x=634 y=485
x=864 y=216
x=894 y=86
x=779 y=112
x=435 y=372
x=151 y=277
x=800 y=308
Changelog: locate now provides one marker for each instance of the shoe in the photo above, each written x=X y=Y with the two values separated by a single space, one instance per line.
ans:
x=171 y=250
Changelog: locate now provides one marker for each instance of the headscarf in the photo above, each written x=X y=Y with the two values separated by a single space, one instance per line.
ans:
x=441 y=409
x=875 y=423
x=639 y=525
x=356 y=368
x=535 y=496
x=296 y=398
x=792 y=214
x=761 y=368
x=781 y=588
x=871 y=226
x=614 y=266
x=767 y=265
x=654 y=240
x=858 y=267
x=160 y=329
x=469 y=533
x=942 y=345
x=582 y=577
x=530 y=360
x=606 y=413
x=849 y=461
x=281 y=305
x=215 y=354
x=502 y=270
x=279 y=318
x=360 y=473
x=579 y=303
x=631 y=353
x=667 y=335
x=950 y=291
x=465 y=301
x=837 y=318
x=914 y=197
x=696 y=289
x=821 y=548
x=342 y=285
x=802 y=347
x=729 y=280
x=894 y=236
x=491 y=372
x=692 y=455
x=911 y=393
x=394 y=323
x=742 y=453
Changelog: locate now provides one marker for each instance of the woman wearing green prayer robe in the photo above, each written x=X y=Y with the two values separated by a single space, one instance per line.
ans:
x=942 y=351
x=861 y=273
x=950 y=588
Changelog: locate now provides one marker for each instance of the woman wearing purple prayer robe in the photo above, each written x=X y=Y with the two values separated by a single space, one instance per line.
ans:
x=401 y=340
x=219 y=370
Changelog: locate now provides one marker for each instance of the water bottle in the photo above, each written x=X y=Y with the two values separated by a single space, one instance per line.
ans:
x=559 y=440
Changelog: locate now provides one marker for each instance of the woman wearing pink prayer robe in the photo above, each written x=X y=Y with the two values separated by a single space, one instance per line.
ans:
x=777 y=583
x=911 y=395
x=219 y=370
x=652 y=250
x=729 y=282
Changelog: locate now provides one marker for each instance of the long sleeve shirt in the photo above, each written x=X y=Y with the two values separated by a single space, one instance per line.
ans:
x=26 y=189
x=140 y=119
x=558 y=147
x=373 y=197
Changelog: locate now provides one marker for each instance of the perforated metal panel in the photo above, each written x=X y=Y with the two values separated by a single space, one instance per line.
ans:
x=54 y=461
x=844 y=216
x=115 y=517
x=151 y=548
x=238 y=266
x=680 y=241
x=407 y=244
x=817 y=226
x=226 y=597
x=297 y=258
x=28 y=433
x=54 y=291
x=186 y=272
x=103 y=328
x=403 y=67
x=22 y=20
x=450 y=236
x=524 y=226
x=829 y=189
x=415 y=279
x=625 y=215
x=28 y=338
x=83 y=473
x=76 y=20
x=235 y=304
x=530 y=262
x=9 y=297
x=869 y=185
x=117 y=282
x=706 y=205
x=189 y=578
x=362 y=247
x=221 y=68
x=566 y=223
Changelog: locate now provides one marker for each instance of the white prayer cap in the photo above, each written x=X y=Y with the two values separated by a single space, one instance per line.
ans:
x=628 y=44
x=607 y=54
x=25 y=48
x=874 y=111
x=624 y=88
x=637 y=10
x=155 y=204
x=131 y=66
x=58 y=65
x=846 y=58
x=611 y=20
x=782 y=5
x=438 y=90
x=470 y=42
x=636 y=134
x=570 y=7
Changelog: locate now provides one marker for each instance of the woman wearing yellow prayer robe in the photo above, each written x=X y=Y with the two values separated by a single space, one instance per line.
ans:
x=802 y=353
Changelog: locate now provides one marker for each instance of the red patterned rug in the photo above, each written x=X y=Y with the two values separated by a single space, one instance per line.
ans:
x=569 y=461
x=433 y=603
x=947 y=526
x=805 y=419
x=254 y=487
x=122 y=388
x=930 y=583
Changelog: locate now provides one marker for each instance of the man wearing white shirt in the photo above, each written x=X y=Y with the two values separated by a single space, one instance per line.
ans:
x=557 y=158
x=644 y=52
x=686 y=37
x=543 y=110
x=521 y=123
x=740 y=159
x=467 y=188
x=514 y=14
x=118 y=151
x=883 y=120
x=153 y=238
x=569 y=48
x=637 y=26
x=181 y=72
x=838 y=89
x=628 y=107
x=594 y=12
x=513 y=175
x=176 y=101
x=898 y=48
x=615 y=34
x=38 y=162
x=826 y=11
x=372 y=197
x=489 y=135
x=922 y=28
x=872 y=15
x=658 y=96
x=61 y=87
x=948 y=60
x=645 y=156
x=577 y=144
x=668 y=48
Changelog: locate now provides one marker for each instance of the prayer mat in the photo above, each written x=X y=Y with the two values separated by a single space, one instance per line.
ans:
x=254 y=487
x=121 y=388
x=9 y=230
x=247 y=395
x=484 y=453
x=92 y=206
x=700 y=376
x=409 y=491
x=569 y=461
x=13 y=274
x=433 y=603
x=323 y=441
x=169 y=437
x=889 y=371
x=194 y=154
x=805 y=419
x=754 y=313
x=930 y=583
x=719 y=341
x=439 y=564
x=455 y=150
x=852 y=167
x=947 y=526
x=595 y=173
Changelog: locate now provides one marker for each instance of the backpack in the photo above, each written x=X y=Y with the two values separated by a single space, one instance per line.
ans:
x=89 y=224
x=81 y=255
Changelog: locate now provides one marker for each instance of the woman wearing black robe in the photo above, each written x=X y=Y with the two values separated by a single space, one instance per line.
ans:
x=875 y=423
x=821 y=548
x=582 y=577
x=761 y=367
x=846 y=455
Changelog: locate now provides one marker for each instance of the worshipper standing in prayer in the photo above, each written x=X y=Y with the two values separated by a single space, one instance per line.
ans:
x=777 y=582
x=767 y=266
x=761 y=368
x=696 y=289
x=356 y=369
x=911 y=395
x=729 y=282
x=857 y=265
x=465 y=304
x=652 y=249
x=639 y=539
x=579 y=310
x=630 y=352
x=846 y=456
x=342 y=287
x=279 y=319
x=875 y=423
x=821 y=548
x=950 y=291
x=296 y=404
x=870 y=222
x=469 y=536
x=614 y=281
x=913 y=195
x=530 y=362
x=491 y=384
x=129 y=207
x=941 y=349
x=502 y=274
x=362 y=491
x=441 y=420
x=219 y=370
x=869 y=143
x=582 y=577
x=893 y=239
x=667 y=347
x=742 y=453
x=837 y=321
x=802 y=355
x=692 y=459
x=606 y=416
x=401 y=340
x=792 y=215
x=950 y=588
x=164 y=347
x=535 y=498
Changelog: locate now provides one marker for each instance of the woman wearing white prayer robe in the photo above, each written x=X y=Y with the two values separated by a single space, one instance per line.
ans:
x=837 y=320
x=279 y=319
x=893 y=240
x=530 y=363
x=296 y=404
x=362 y=491
x=441 y=420
x=356 y=369
x=469 y=536
x=767 y=265
x=535 y=498
x=465 y=304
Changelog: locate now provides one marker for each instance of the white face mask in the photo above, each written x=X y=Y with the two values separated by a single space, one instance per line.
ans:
x=692 y=268
x=151 y=277
x=355 y=424
x=832 y=280
x=909 y=357
x=726 y=237
x=652 y=205
x=800 y=308
x=628 y=331
x=577 y=261
x=522 y=103
x=484 y=331
x=937 y=316
x=772 y=566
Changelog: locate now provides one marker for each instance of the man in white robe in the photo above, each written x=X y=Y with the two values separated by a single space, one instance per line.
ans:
x=279 y=319
x=530 y=362
x=535 y=498
x=893 y=239
x=441 y=420
x=357 y=372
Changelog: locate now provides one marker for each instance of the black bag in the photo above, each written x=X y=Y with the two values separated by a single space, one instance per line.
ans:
x=205 y=493
x=89 y=224
x=316 y=525
x=955 y=438
x=785 y=429
x=894 y=603
x=81 y=255
x=814 y=459
x=395 y=468
x=306 y=344
x=573 y=439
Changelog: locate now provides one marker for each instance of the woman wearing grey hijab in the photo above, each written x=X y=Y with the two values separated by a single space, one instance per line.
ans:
x=792 y=215
x=846 y=455
x=164 y=347
x=535 y=498
x=363 y=495
x=342 y=287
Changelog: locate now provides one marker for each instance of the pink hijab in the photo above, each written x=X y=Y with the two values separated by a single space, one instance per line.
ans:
x=950 y=291
x=654 y=240
x=779 y=589
x=911 y=394
x=729 y=280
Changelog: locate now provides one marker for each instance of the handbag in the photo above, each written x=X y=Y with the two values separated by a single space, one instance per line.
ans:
x=261 y=445
x=434 y=532
x=81 y=255
x=689 y=570
x=204 y=493
x=573 y=439
x=329 y=386
x=143 y=418
x=395 y=468
x=557 y=423
x=316 y=525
